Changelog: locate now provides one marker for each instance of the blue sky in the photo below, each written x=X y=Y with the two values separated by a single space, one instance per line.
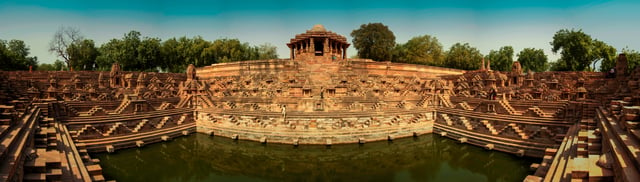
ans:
x=486 y=25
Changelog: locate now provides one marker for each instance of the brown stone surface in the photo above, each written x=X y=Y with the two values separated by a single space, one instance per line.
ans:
x=568 y=119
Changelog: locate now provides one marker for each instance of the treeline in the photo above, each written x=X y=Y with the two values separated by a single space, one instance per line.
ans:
x=579 y=52
x=14 y=55
x=136 y=53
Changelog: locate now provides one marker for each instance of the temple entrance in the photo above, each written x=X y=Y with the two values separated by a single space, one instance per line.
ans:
x=319 y=47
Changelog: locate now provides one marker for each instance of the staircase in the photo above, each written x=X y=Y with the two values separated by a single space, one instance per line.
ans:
x=72 y=111
x=507 y=106
x=466 y=123
x=164 y=106
x=519 y=131
x=162 y=122
x=375 y=106
x=123 y=106
x=182 y=119
x=537 y=111
x=255 y=106
x=488 y=125
x=96 y=110
x=464 y=105
x=422 y=101
x=400 y=105
x=416 y=118
x=140 y=125
x=446 y=102
x=114 y=127
x=446 y=119
x=232 y=105
x=183 y=101
x=87 y=127
x=207 y=102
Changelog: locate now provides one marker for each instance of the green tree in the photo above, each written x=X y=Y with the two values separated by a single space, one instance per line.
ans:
x=46 y=67
x=463 y=56
x=605 y=53
x=267 y=51
x=133 y=53
x=633 y=58
x=56 y=66
x=578 y=50
x=374 y=41
x=533 y=59
x=501 y=59
x=228 y=50
x=399 y=54
x=83 y=54
x=14 y=55
x=129 y=47
x=171 y=57
x=420 y=50
x=109 y=53
x=148 y=54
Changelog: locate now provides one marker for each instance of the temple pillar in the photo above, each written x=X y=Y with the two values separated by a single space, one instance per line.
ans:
x=312 y=46
x=326 y=46
x=344 y=52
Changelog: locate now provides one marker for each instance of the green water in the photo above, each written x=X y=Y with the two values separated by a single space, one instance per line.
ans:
x=199 y=157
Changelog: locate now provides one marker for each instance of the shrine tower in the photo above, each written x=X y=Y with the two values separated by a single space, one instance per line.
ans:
x=318 y=43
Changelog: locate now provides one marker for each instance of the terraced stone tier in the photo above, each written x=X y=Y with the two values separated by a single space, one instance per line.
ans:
x=299 y=128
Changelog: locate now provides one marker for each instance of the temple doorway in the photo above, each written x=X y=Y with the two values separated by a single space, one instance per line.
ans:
x=319 y=47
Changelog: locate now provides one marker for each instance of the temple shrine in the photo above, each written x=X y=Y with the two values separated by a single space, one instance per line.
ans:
x=579 y=125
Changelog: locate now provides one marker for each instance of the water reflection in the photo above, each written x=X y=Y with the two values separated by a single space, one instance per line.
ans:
x=203 y=158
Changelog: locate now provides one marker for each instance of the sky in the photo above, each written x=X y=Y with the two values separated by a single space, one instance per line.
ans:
x=486 y=25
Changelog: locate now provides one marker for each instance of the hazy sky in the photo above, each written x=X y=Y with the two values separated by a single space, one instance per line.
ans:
x=486 y=25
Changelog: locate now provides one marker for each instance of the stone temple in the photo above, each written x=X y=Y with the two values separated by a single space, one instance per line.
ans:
x=580 y=125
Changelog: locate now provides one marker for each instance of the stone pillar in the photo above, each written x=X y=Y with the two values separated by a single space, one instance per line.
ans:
x=291 y=51
x=326 y=46
x=312 y=46
x=344 y=52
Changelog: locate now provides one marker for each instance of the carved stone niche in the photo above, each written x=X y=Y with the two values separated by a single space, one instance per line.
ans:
x=318 y=106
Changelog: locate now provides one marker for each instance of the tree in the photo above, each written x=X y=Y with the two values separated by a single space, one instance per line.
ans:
x=129 y=46
x=501 y=59
x=56 y=66
x=62 y=39
x=533 y=59
x=228 y=50
x=578 y=50
x=82 y=55
x=14 y=55
x=419 y=50
x=463 y=56
x=267 y=51
x=374 y=41
x=133 y=53
x=171 y=56
x=604 y=52
x=109 y=53
x=148 y=54
x=633 y=58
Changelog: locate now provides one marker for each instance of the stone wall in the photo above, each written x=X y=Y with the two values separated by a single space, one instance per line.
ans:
x=318 y=129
